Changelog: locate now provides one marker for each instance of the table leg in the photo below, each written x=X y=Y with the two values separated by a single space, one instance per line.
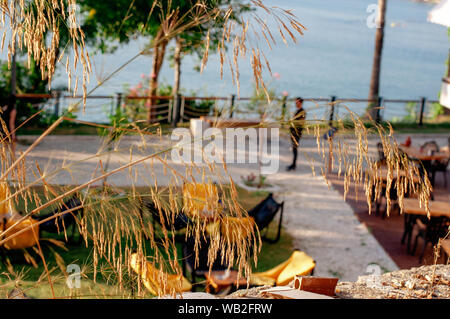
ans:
x=405 y=228
x=407 y=234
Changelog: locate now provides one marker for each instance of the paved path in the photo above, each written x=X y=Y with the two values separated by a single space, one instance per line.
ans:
x=325 y=227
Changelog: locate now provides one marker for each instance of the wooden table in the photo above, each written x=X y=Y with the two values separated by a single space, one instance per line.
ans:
x=437 y=208
x=415 y=153
x=426 y=159
x=224 y=123
x=383 y=174
x=217 y=280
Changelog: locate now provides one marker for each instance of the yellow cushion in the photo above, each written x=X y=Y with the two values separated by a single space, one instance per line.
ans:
x=260 y=280
x=8 y=213
x=6 y=207
x=200 y=200
x=235 y=229
x=26 y=239
x=299 y=264
x=157 y=281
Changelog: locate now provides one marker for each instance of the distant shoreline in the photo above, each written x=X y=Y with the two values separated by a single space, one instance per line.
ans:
x=428 y=1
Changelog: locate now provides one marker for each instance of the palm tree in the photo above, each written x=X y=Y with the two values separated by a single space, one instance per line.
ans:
x=376 y=67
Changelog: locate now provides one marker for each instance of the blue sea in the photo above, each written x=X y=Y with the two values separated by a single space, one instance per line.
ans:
x=334 y=57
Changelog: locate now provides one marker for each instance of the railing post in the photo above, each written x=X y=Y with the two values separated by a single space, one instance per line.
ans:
x=176 y=109
x=330 y=138
x=233 y=98
x=56 y=95
x=170 y=110
x=283 y=108
x=118 y=102
x=12 y=102
x=332 y=102
x=379 y=102
x=423 y=102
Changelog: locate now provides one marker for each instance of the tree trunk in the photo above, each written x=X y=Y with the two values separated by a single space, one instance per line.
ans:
x=376 y=67
x=13 y=75
x=177 y=67
x=159 y=52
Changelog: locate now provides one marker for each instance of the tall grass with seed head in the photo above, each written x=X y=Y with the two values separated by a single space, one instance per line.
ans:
x=113 y=226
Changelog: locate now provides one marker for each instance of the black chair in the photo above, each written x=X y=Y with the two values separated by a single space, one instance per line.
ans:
x=433 y=166
x=430 y=146
x=409 y=223
x=179 y=222
x=264 y=213
x=393 y=195
x=382 y=159
x=430 y=230
x=439 y=166
x=201 y=268
x=64 y=220
x=381 y=154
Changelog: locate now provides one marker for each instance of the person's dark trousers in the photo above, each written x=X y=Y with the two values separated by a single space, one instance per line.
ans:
x=295 y=140
x=295 y=154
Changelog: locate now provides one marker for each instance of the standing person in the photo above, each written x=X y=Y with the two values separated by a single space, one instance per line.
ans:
x=296 y=131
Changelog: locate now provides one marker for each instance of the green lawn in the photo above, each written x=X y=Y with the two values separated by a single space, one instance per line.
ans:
x=35 y=282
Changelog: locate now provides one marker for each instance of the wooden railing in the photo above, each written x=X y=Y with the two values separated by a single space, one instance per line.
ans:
x=175 y=110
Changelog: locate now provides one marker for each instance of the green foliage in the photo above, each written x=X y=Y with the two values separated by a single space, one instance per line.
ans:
x=135 y=110
x=108 y=24
x=258 y=101
x=48 y=118
x=123 y=20
x=29 y=80
x=193 y=39
x=255 y=181
x=436 y=109
x=118 y=120
x=201 y=105
x=411 y=110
